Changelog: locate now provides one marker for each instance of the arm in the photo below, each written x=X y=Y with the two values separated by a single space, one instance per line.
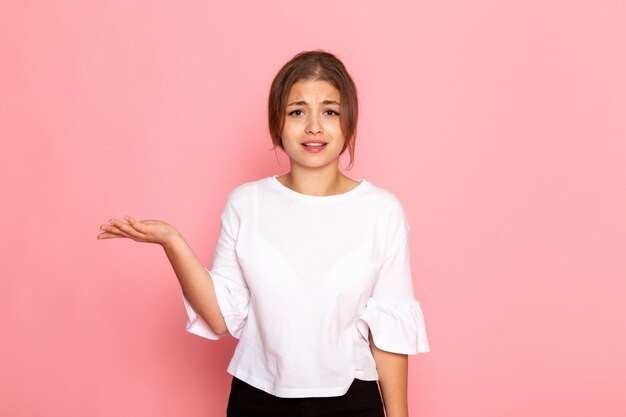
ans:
x=393 y=378
x=196 y=282
x=194 y=279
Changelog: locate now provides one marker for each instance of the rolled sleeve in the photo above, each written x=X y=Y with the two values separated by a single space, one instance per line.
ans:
x=231 y=290
x=392 y=313
x=397 y=328
x=232 y=300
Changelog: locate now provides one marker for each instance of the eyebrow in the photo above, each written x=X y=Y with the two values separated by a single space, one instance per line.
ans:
x=304 y=103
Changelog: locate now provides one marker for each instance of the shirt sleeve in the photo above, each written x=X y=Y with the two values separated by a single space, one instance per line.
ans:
x=231 y=290
x=392 y=313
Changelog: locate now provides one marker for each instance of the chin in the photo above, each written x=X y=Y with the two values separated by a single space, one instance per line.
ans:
x=313 y=164
x=312 y=161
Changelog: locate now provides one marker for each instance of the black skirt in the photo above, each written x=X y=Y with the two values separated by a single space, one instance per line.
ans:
x=362 y=399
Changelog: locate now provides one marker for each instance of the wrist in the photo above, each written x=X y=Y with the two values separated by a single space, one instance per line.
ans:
x=172 y=239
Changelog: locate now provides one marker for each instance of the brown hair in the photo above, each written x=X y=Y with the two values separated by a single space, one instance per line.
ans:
x=314 y=65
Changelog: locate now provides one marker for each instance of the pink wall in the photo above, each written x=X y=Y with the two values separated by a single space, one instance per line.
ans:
x=500 y=125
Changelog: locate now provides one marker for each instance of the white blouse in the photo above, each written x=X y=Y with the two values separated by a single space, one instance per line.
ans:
x=301 y=280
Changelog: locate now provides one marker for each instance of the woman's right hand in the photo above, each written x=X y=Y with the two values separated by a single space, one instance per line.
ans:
x=151 y=231
x=195 y=280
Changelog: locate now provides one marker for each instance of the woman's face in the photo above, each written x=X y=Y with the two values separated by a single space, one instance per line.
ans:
x=312 y=135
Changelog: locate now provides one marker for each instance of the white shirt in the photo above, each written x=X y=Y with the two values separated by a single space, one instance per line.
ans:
x=301 y=279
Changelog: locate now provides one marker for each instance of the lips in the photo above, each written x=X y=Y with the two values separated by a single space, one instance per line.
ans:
x=314 y=143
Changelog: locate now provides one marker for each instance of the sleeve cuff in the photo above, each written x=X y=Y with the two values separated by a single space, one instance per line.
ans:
x=396 y=327
x=197 y=325
x=232 y=300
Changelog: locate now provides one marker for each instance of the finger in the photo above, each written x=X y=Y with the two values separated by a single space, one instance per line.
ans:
x=108 y=235
x=127 y=229
x=114 y=230
x=135 y=224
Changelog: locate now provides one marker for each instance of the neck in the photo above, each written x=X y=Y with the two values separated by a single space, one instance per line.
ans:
x=322 y=181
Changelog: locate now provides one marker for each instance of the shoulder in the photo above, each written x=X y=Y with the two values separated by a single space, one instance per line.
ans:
x=384 y=200
x=239 y=202
x=245 y=192
x=393 y=222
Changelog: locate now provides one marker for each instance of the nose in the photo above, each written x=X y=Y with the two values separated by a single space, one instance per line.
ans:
x=314 y=125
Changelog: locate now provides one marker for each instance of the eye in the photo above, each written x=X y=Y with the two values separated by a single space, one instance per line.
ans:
x=296 y=113
x=331 y=113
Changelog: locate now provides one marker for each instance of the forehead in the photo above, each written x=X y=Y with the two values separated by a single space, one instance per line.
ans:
x=313 y=90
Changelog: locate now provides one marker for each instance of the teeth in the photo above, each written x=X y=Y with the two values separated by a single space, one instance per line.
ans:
x=314 y=144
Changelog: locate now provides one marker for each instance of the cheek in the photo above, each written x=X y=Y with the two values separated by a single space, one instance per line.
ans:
x=290 y=127
x=338 y=133
x=288 y=138
x=284 y=134
x=337 y=128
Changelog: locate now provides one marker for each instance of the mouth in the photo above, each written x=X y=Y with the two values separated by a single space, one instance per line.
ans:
x=314 y=146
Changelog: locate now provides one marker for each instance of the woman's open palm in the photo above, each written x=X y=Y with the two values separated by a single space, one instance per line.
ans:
x=151 y=231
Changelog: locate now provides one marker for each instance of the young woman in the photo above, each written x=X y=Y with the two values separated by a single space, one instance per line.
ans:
x=311 y=270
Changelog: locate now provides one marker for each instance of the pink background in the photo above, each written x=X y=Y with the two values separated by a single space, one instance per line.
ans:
x=500 y=125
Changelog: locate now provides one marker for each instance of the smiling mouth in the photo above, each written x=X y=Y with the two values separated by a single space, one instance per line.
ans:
x=314 y=144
